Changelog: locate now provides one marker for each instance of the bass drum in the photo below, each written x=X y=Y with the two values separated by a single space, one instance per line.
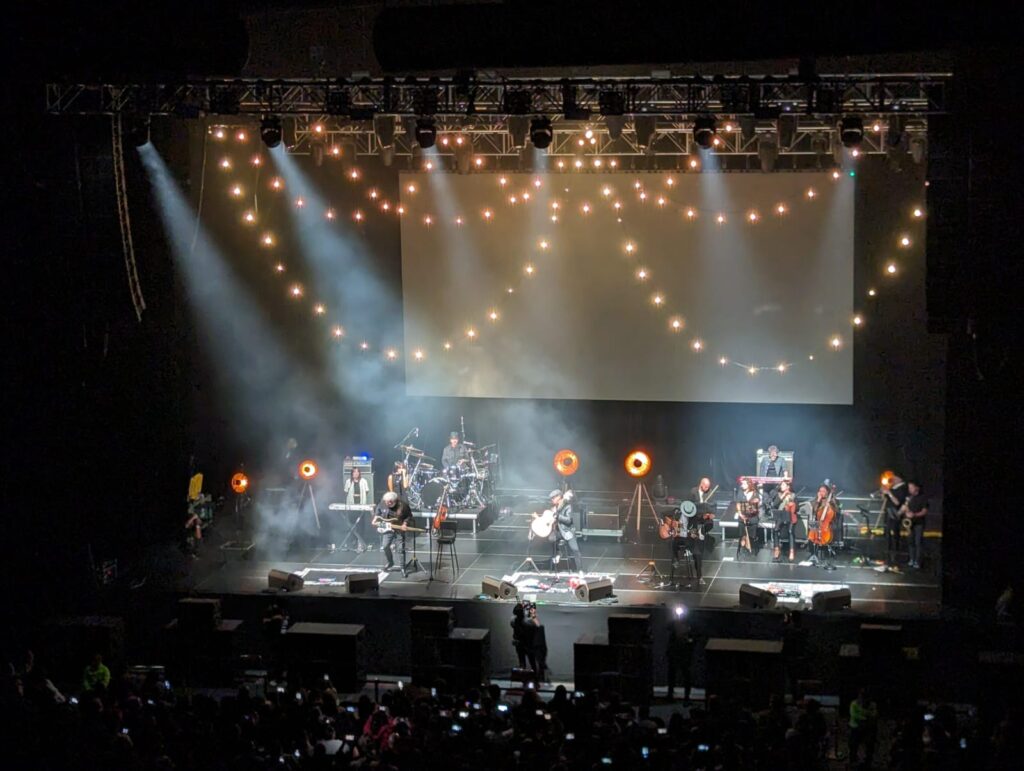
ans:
x=431 y=493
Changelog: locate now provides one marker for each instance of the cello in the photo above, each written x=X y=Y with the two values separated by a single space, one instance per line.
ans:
x=825 y=514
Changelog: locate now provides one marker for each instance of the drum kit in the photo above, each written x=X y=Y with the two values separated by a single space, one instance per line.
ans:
x=468 y=483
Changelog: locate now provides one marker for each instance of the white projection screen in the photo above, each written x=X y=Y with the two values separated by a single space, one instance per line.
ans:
x=762 y=289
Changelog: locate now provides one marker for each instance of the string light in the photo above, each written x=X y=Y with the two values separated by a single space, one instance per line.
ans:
x=529 y=269
x=364 y=346
x=428 y=220
x=543 y=244
x=268 y=239
x=904 y=241
x=617 y=205
x=236 y=191
x=392 y=354
x=781 y=368
x=429 y=165
x=318 y=128
x=585 y=208
x=836 y=174
x=694 y=163
x=319 y=309
x=418 y=355
x=675 y=324
x=502 y=181
x=335 y=150
x=299 y=203
x=554 y=218
x=691 y=214
x=643 y=196
x=578 y=163
x=385 y=206
x=613 y=163
x=630 y=247
x=720 y=219
x=279 y=267
x=723 y=361
x=670 y=181
x=642 y=274
x=872 y=293
x=225 y=163
x=257 y=160
x=597 y=163
x=447 y=345
x=811 y=357
x=780 y=209
x=249 y=218
x=555 y=205
x=752 y=370
x=373 y=194
x=488 y=214
x=526 y=196
x=471 y=333
x=218 y=133
x=400 y=209
x=918 y=212
x=697 y=345
x=891 y=268
x=512 y=200
x=338 y=332
x=357 y=216
x=478 y=162
x=411 y=188
x=752 y=217
x=606 y=191
x=493 y=315
x=276 y=183
x=296 y=290
x=510 y=290
x=561 y=164
x=537 y=183
x=330 y=214
x=658 y=300
x=810 y=192
x=836 y=343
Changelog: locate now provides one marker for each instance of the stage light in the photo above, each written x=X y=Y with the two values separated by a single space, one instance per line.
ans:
x=478 y=161
x=597 y=163
x=887 y=477
x=566 y=462
x=767 y=152
x=613 y=163
x=851 y=131
x=541 y=133
x=679 y=610
x=138 y=130
x=429 y=165
x=578 y=163
x=335 y=150
x=307 y=469
x=518 y=128
x=270 y=131
x=239 y=482
x=353 y=174
x=836 y=174
x=560 y=164
x=646 y=127
x=425 y=132
x=891 y=268
x=319 y=309
x=919 y=150
x=694 y=164
x=638 y=463
x=241 y=136
x=318 y=129
x=704 y=131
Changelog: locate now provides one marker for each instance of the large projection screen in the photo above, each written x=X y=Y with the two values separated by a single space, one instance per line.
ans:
x=756 y=267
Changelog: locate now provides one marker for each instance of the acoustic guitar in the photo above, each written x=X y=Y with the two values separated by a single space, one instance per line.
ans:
x=544 y=523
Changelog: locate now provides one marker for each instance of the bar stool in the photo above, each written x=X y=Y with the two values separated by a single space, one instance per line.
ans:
x=685 y=561
x=565 y=557
x=446 y=535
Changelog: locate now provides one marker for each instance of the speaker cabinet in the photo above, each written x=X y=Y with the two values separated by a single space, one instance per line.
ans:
x=431 y=621
x=752 y=597
x=281 y=579
x=597 y=589
x=313 y=650
x=197 y=615
x=629 y=629
x=836 y=599
x=495 y=587
x=359 y=583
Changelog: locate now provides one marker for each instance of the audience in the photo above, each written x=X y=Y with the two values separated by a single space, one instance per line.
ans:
x=122 y=723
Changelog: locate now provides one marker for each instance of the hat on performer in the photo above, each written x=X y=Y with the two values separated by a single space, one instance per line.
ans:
x=453 y=435
x=554 y=494
x=688 y=509
x=389 y=499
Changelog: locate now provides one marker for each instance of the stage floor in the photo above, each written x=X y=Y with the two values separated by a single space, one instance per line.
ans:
x=499 y=550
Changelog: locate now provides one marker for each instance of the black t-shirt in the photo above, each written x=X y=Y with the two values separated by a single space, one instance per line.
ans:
x=400 y=515
x=900 y=493
x=917 y=503
x=523 y=633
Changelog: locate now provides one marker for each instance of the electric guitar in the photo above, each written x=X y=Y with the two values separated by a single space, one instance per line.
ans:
x=386 y=525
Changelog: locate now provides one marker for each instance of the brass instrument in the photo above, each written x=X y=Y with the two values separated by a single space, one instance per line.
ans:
x=906 y=522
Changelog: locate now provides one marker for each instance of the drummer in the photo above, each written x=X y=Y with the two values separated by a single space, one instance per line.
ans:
x=455 y=454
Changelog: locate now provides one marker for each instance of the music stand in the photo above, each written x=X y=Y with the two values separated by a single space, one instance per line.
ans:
x=413 y=565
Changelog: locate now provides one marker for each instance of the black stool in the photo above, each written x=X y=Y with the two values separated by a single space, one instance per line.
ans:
x=446 y=535
x=565 y=557
x=685 y=560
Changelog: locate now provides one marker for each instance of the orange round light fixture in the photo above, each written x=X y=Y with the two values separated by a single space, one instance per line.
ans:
x=638 y=463
x=567 y=462
x=887 y=478
x=239 y=483
x=307 y=469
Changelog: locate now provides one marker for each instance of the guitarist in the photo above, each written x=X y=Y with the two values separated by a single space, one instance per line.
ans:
x=563 y=531
x=399 y=515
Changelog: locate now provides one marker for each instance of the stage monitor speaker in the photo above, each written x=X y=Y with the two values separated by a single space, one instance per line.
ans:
x=359 y=583
x=594 y=590
x=495 y=587
x=752 y=597
x=282 y=579
x=835 y=599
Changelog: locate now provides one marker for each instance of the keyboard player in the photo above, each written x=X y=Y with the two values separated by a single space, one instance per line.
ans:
x=357 y=492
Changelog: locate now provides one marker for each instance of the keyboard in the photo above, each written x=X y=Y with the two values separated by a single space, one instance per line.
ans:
x=351 y=507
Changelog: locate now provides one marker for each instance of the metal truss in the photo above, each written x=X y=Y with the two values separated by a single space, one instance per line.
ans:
x=758 y=96
x=323 y=113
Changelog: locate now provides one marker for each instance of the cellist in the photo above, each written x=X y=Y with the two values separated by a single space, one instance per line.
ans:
x=822 y=521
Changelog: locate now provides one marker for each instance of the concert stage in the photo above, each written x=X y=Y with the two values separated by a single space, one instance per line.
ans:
x=500 y=550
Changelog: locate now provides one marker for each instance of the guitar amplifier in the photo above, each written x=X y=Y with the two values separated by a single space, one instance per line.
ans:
x=365 y=465
x=602 y=520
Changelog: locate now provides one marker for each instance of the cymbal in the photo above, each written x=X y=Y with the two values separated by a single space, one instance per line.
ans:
x=410 y=450
x=426 y=457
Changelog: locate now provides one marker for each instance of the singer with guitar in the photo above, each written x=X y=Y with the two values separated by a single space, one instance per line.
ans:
x=556 y=524
x=394 y=517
